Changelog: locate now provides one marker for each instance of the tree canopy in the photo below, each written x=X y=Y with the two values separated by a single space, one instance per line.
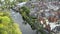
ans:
x=9 y=3
x=7 y=26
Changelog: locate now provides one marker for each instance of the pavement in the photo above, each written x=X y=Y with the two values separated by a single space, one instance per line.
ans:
x=26 y=29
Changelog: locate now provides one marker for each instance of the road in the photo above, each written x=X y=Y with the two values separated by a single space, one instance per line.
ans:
x=26 y=29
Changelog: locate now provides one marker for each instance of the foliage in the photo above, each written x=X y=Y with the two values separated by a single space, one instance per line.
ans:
x=7 y=4
x=32 y=21
x=7 y=26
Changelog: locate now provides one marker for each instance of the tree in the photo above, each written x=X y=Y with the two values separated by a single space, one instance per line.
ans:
x=7 y=4
x=7 y=26
x=32 y=21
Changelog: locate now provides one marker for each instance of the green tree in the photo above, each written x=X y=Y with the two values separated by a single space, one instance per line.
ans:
x=7 y=4
x=7 y=26
x=32 y=21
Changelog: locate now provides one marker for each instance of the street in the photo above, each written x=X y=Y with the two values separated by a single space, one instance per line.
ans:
x=26 y=29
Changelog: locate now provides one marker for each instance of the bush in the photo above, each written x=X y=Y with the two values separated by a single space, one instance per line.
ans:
x=7 y=26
